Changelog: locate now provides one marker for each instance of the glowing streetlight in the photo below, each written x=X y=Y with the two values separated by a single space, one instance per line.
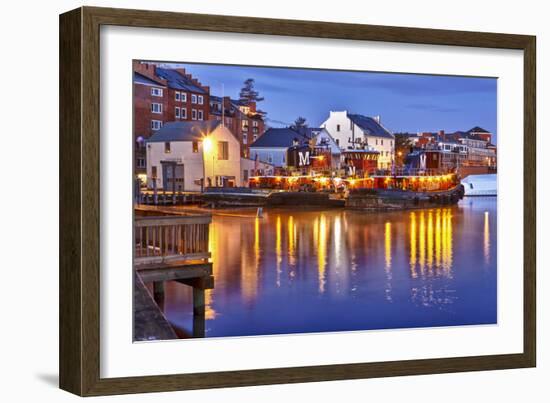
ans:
x=208 y=148
x=207 y=144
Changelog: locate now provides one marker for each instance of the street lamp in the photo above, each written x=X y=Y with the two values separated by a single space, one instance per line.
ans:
x=208 y=148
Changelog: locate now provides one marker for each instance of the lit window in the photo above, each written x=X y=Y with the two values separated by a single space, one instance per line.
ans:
x=195 y=146
x=167 y=149
x=156 y=108
x=156 y=92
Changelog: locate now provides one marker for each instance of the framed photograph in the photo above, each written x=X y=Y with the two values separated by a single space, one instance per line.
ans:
x=249 y=201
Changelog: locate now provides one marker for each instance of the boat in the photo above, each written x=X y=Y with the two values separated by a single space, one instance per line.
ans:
x=480 y=185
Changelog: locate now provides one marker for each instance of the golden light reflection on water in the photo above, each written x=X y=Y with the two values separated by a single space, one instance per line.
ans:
x=291 y=229
x=278 y=249
x=388 y=258
x=486 y=238
x=412 y=240
x=322 y=251
x=431 y=242
x=430 y=239
x=210 y=312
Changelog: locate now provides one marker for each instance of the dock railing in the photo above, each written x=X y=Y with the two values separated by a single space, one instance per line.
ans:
x=169 y=239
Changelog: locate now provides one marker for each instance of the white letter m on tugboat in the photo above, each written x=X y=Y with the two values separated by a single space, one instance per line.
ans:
x=304 y=158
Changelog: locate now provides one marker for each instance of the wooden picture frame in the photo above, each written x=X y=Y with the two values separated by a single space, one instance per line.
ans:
x=80 y=184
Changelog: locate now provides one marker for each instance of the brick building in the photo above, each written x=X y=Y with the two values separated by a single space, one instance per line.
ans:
x=164 y=95
x=242 y=119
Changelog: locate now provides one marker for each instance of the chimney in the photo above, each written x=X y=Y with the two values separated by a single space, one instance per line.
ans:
x=227 y=103
x=441 y=134
x=377 y=118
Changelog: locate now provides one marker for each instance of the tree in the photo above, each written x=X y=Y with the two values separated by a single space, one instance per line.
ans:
x=403 y=146
x=248 y=93
x=299 y=122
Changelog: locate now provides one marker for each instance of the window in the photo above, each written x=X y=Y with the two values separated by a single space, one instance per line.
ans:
x=376 y=141
x=194 y=114
x=245 y=175
x=156 y=124
x=223 y=150
x=193 y=99
x=338 y=142
x=201 y=114
x=177 y=111
x=195 y=146
x=177 y=96
x=270 y=158
x=156 y=108
x=254 y=123
x=154 y=172
x=245 y=138
x=183 y=97
x=183 y=113
x=201 y=100
x=156 y=92
x=167 y=149
x=140 y=163
x=244 y=125
x=337 y=128
x=255 y=137
x=381 y=142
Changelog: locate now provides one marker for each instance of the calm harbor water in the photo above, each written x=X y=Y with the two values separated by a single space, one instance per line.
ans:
x=297 y=271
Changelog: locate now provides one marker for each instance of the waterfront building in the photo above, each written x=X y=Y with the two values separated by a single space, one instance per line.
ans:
x=354 y=131
x=163 y=95
x=322 y=139
x=250 y=168
x=273 y=145
x=469 y=151
x=181 y=154
x=243 y=119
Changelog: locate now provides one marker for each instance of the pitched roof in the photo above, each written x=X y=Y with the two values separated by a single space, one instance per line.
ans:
x=141 y=79
x=184 y=131
x=278 y=137
x=178 y=81
x=477 y=129
x=370 y=126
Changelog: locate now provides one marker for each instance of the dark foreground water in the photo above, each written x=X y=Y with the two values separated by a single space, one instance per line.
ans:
x=296 y=271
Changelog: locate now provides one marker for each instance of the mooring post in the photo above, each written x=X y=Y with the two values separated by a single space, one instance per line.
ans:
x=199 y=312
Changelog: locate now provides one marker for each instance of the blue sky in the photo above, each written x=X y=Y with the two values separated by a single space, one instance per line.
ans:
x=405 y=102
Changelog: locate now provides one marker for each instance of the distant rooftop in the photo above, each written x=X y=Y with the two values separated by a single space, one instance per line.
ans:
x=184 y=131
x=370 y=126
x=141 y=79
x=178 y=81
x=278 y=137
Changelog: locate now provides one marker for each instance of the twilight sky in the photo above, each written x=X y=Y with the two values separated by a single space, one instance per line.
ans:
x=406 y=102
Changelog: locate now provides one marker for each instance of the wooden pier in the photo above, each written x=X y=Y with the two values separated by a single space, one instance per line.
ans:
x=171 y=248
